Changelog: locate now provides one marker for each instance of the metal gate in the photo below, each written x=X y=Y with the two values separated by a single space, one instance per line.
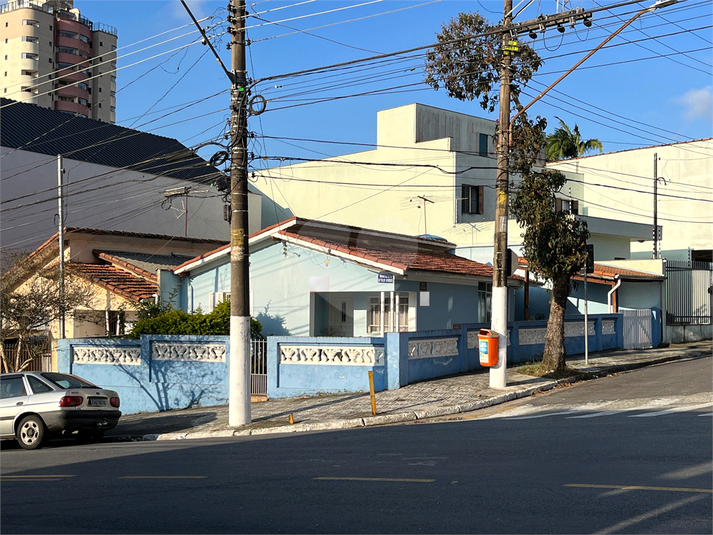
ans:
x=637 y=329
x=258 y=367
x=688 y=292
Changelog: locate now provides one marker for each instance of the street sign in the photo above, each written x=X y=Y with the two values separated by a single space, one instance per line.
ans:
x=511 y=261
x=385 y=278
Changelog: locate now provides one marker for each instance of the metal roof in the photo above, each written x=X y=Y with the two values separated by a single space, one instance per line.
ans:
x=33 y=128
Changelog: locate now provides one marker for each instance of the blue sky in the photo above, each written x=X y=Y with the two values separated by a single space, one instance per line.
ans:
x=654 y=87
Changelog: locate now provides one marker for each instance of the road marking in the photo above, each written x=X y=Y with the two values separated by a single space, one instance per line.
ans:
x=671 y=411
x=639 y=487
x=162 y=477
x=489 y=415
x=35 y=477
x=533 y=416
x=390 y=479
x=651 y=514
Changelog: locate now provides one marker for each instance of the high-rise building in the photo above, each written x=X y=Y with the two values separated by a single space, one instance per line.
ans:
x=53 y=57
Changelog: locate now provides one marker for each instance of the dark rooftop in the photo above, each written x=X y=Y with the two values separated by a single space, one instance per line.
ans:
x=32 y=128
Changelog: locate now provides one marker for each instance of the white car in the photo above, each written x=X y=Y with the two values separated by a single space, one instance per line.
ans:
x=36 y=405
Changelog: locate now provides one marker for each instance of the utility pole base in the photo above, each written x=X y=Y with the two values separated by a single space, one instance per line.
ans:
x=239 y=371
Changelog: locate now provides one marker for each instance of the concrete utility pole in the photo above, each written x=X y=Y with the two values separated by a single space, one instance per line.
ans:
x=499 y=319
x=239 y=360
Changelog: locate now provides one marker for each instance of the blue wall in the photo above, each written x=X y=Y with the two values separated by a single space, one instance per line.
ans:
x=152 y=385
x=401 y=368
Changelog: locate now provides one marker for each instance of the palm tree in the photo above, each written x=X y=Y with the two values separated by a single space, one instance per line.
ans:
x=565 y=143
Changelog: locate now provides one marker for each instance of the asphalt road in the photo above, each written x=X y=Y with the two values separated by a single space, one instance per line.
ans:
x=626 y=454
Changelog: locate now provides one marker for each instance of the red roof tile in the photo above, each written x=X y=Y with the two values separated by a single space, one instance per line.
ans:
x=420 y=259
x=115 y=280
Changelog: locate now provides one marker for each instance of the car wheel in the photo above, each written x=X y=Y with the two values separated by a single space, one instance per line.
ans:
x=31 y=432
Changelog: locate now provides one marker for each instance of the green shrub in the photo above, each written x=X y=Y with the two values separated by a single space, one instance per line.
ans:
x=180 y=322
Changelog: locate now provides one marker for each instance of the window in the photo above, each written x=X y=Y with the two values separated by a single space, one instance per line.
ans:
x=101 y=43
x=100 y=89
x=113 y=79
x=30 y=22
x=29 y=55
x=12 y=387
x=483 y=145
x=485 y=290
x=112 y=109
x=471 y=199
x=29 y=39
x=27 y=73
x=375 y=315
x=113 y=47
x=50 y=60
x=216 y=298
x=67 y=381
x=38 y=386
x=566 y=205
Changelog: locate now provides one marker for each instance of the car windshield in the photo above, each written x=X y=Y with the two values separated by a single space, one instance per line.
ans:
x=64 y=380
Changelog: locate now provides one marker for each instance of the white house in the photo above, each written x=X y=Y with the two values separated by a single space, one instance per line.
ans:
x=620 y=185
x=432 y=172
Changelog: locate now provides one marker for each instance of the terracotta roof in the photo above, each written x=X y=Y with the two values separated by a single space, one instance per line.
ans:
x=115 y=280
x=608 y=273
x=401 y=258
x=142 y=264
x=401 y=251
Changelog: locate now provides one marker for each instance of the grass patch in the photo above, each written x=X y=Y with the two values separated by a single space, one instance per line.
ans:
x=537 y=369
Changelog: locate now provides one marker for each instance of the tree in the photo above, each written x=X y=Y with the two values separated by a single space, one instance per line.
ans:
x=565 y=143
x=30 y=310
x=554 y=244
x=466 y=62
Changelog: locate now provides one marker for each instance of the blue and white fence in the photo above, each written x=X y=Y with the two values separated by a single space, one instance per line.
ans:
x=168 y=372
x=306 y=366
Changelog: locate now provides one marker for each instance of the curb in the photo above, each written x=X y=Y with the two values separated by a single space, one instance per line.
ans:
x=402 y=417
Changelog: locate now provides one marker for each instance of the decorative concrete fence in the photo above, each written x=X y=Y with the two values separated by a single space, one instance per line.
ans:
x=155 y=373
x=307 y=366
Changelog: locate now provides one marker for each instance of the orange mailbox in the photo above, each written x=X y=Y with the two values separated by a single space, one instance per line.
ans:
x=488 y=347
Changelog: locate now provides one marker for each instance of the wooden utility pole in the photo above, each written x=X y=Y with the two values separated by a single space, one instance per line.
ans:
x=239 y=356
x=239 y=359
x=499 y=321
x=60 y=204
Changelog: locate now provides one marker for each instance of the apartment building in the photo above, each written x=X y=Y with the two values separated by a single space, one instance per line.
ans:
x=52 y=56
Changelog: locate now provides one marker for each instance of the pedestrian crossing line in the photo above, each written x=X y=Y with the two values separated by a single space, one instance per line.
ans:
x=672 y=410
x=709 y=414
x=541 y=415
x=639 y=487
x=600 y=413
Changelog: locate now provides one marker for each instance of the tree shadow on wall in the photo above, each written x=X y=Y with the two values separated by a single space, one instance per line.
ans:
x=272 y=324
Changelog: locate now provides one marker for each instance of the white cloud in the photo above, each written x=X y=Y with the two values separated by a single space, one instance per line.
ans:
x=697 y=104
x=196 y=7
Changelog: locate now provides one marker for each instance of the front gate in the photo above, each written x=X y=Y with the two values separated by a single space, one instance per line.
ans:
x=258 y=367
x=637 y=327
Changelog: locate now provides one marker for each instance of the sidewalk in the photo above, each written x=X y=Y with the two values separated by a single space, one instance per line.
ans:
x=427 y=399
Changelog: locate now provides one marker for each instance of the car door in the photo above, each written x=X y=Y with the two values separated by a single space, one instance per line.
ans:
x=13 y=398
